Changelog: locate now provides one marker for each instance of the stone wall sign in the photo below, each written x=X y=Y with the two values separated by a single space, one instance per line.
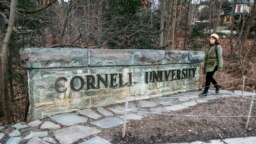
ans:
x=66 y=79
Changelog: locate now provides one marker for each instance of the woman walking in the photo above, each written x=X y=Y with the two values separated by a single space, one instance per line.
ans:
x=212 y=63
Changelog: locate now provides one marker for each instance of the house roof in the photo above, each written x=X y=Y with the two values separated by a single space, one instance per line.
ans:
x=243 y=2
x=235 y=14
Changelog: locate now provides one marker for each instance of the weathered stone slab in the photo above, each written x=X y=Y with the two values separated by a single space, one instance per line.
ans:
x=72 y=134
x=176 y=107
x=183 y=99
x=19 y=126
x=131 y=116
x=89 y=113
x=67 y=79
x=36 y=140
x=13 y=140
x=143 y=112
x=96 y=140
x=225 y=92
x=200 y=142
x=145 y=103
x=190 y=103
x=108 y=122
x=69 y=119
x=166 y=100
x=210 y=97
x=49 y=125
x=147 y=57
x=107 y=57
x=35 y=123
x=201 y=100
x=158 y=110
x=14 y=133
x=37 y=134
x=1 y=128
x=120 y=109
x=239 y=93
x=104 y=111
x=1 y=135
x=245 y=140
x=49 y=140
x=53 y=57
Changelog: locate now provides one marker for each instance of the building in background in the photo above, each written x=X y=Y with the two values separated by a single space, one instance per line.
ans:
x=242 y=9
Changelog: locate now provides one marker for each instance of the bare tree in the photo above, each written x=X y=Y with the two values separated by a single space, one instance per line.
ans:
x=217 y=19
x=4 y=58
x=232 y=26
x=4 y=55
x=162 y=9
x=187 y=26
x=173 y=27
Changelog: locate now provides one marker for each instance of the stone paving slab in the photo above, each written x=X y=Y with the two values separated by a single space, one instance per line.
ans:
x=183 y=99
x=243 y=140
x=36 y=140
x=120 y=109
x=158 y=110
x=68 y=119
x=104 y=112
x=72 y=134
x=108 y=122
x=49 y=140
x=13 y=140
x=145 y=103
x=49 y=125
x=238 y=92
x=96 y=140
x=143 y=113
x=201 y=100
x=14 y=133
x=167 y=100
x=89 y=113
x=35 y=123
x=1 y=128
x=1 y=135
x=211 y=97
x=246 y=140
x=226 y=92
x=36 y=134
x=176 y=107
x=132 y=116
x=190 y=103
x=19 y=126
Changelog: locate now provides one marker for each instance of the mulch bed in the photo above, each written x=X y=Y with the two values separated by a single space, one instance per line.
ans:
x=179 y=127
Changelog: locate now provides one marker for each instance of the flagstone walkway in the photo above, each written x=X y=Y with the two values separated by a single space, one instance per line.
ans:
x=83 y=126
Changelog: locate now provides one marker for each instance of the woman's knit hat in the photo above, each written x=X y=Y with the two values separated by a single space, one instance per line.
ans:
x=215 y=36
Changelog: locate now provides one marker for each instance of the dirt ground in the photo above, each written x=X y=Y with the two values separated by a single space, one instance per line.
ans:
x=216 y=119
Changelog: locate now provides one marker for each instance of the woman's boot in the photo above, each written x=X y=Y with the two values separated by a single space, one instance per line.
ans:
x=204 y=93
x=217 y=88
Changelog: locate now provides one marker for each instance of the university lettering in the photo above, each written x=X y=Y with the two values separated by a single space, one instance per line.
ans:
x=116 y=80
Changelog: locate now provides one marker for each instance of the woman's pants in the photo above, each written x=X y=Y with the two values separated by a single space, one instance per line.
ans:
x=209 y=78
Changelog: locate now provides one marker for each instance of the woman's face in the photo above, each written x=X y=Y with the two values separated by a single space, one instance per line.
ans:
x=212 y=41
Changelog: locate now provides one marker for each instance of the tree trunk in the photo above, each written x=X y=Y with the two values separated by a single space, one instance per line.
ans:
x=250 y=23
x=173 y=24
x=10 y=78
x=162 y=4
x=187 y=29
x=1 y=89
x=211 y=17
x=168 y=21
x=232 y=26
x=217 y=22
x=4 y=74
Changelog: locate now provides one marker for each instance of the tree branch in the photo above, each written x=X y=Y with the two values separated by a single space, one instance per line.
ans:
x=30 y=11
